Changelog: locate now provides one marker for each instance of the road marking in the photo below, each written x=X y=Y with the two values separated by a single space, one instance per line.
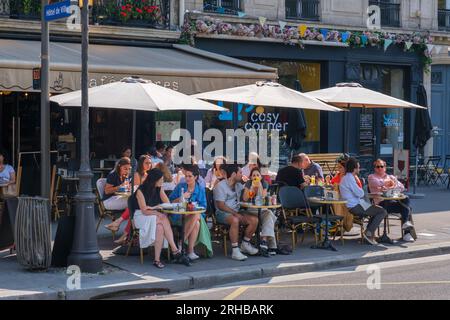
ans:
x=348 y=284
x=426 y=235
x=237 y=293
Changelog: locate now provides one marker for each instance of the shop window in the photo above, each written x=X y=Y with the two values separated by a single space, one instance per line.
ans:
x=232 y=7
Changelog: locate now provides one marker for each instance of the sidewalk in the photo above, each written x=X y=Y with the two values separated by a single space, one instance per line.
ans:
x=432 y=219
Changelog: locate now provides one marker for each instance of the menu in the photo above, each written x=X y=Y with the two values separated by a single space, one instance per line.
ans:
x=366 y=134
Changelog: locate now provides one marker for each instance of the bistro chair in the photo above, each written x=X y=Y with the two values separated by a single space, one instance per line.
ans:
x=433 y=171
x=103 y=212
x=337 y=221
x=297 y=213
x=219 y=230
x=56 y=198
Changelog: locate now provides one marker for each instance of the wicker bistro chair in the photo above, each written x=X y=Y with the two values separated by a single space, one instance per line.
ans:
x=336 y=220
x=297 y=213
x=103 y=212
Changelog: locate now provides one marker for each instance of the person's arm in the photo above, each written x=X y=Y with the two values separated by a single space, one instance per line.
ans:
x=175 y=194
x=223 y=207
x=137 y=179
x=320 y=173
x=202 y=198
x=12 y=177
x=163 y=196
x=398 y=184
x=357 y=191
x=245 y=196
x=110 y=189
x=208 y=178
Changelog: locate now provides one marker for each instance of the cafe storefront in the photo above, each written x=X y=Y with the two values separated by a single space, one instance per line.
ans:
x=178 y=67
x=373 y=133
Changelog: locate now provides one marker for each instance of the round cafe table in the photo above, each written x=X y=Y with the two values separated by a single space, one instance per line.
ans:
x=378 y=196
x=326 y=243
x=183 y=214
x=122 y=194
x=248 y=205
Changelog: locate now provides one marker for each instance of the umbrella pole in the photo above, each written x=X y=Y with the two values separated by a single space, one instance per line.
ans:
x=415 y=195
x=133 y=150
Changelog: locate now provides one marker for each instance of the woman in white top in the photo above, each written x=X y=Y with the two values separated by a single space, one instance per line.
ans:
x=354 y=194
x=7 y=173
x=215 y=174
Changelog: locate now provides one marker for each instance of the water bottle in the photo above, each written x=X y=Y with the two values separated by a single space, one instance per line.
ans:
x=183 y=200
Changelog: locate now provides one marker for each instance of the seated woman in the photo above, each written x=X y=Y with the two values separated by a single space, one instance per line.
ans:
x=257 y=186
x=114 y=181
x=380 y=181
x=153 y=225
x=193 y=192
x=353 y=194
x=7 y=173
x=144 y=165
x=215 y=174
x=253 y=162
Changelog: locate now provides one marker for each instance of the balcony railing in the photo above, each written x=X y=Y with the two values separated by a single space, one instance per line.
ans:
x=444 y=19
x=303 y=9
x=231 y=7
x=390 y=13
x=129 y=13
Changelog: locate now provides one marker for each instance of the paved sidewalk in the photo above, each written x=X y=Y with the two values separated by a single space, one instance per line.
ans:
x=432 y=219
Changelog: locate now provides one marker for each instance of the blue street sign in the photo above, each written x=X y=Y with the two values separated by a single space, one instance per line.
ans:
x=57 y=10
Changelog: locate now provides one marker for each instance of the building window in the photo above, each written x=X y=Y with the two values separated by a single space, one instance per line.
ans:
x=232 y=7
x=444 y=15
x=302 y=9
x=390 y=12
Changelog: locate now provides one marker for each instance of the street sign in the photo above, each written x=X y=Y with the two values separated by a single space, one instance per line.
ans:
x=57 y=10
x=36 y=78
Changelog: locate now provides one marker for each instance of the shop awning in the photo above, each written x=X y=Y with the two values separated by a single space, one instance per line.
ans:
x=179 y=67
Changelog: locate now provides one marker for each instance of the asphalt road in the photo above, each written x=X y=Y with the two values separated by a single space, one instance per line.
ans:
x=422 y=278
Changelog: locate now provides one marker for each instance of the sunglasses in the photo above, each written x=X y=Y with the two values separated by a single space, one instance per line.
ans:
x=379 y=167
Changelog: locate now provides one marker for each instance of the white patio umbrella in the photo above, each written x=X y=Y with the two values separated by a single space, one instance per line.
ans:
x=135 y=94
x=267 y=94
x=354 y=95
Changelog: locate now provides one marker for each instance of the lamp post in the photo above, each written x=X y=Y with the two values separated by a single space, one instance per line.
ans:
x=85 y=252
x=45 y=106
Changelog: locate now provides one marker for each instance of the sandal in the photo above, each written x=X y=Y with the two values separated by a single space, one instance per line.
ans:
x=122 y=240
x=112 y=227
x=158 y=264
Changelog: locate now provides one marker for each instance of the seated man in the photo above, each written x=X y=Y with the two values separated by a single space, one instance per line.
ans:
x=353 y=194
x=226 y=196
x=311 y=169
x=292 y=175
x=380 y=181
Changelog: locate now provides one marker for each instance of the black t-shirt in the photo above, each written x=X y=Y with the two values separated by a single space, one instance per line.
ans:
x=151 y=198
x=113 y=179
x=291 y=176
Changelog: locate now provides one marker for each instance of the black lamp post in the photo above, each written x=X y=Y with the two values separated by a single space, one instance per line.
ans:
x=85 y=252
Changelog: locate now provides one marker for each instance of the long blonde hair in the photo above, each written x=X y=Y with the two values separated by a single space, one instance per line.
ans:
x=165 y=170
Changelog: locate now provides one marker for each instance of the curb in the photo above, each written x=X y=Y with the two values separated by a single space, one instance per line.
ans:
x=202 y=279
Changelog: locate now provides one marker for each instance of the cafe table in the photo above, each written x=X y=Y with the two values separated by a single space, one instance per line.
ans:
x=379 y=196
x=326 y=243
x=183 y=214
x=249 y=205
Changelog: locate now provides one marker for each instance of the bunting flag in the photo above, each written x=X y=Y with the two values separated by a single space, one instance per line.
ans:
x=282 y=24
x=408 y=44
x=430 y=48
x=345 y=36
x=387 y=44
x=302 y=29
x=262 y=21
x=324 y=32
x=241 y=14
x=364 y=39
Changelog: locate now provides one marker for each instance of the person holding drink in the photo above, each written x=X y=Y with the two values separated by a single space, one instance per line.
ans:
x=117 y=181
x=256 y=186
x=380 y=182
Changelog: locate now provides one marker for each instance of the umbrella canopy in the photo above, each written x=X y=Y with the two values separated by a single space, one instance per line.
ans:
x=267 y=94
x=422 y=125
x=135 y=94
x=353 y=95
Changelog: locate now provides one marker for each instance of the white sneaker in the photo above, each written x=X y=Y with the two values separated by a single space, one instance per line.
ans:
x=246 y=247
x=407 y=225
x=237 y=255
x=408 y=238
x=192 y=256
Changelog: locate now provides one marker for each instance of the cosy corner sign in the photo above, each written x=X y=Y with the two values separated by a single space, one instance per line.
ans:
x=57 y=10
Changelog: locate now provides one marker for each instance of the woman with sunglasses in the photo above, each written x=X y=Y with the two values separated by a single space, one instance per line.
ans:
x=380 y=181
x=144 y=165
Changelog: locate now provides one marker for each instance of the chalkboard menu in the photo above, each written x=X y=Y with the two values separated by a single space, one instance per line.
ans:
x=366 y=134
